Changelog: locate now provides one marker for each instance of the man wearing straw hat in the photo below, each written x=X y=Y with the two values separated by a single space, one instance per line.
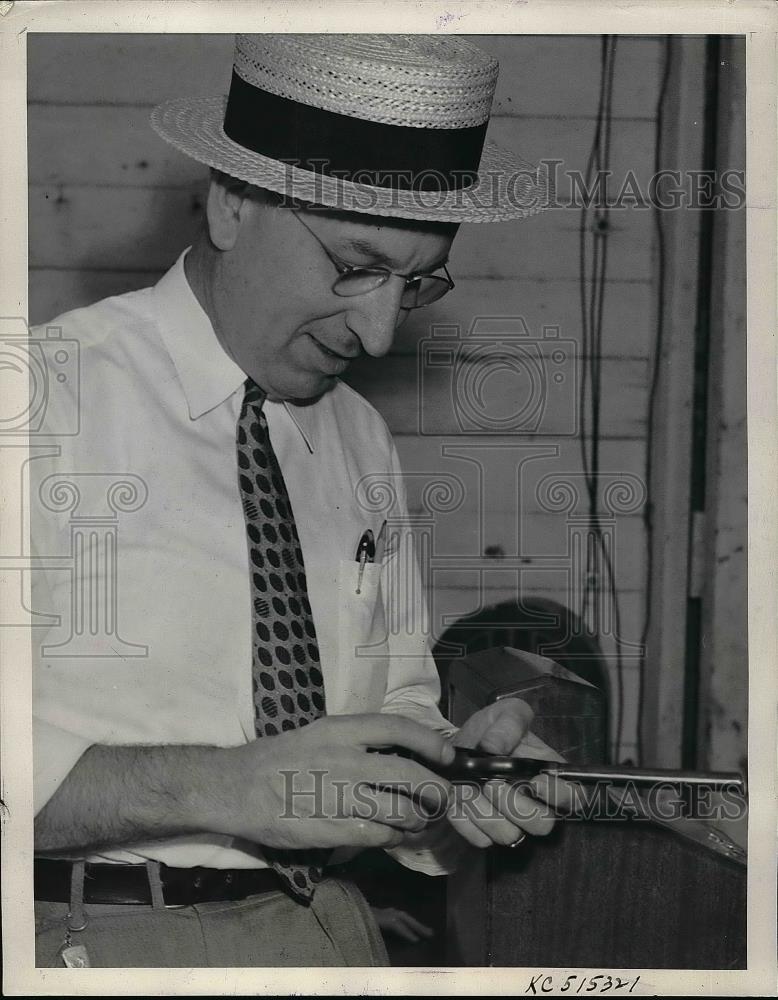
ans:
x=191 y=796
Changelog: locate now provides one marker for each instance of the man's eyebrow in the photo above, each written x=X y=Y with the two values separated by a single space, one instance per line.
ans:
x=368 y=249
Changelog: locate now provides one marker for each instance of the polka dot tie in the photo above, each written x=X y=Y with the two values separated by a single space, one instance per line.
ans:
x=286 y=678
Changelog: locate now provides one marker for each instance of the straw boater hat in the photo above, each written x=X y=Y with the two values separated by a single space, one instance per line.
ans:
x=390 y=125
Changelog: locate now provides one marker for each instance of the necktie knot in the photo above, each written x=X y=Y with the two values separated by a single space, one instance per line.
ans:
x=253 y=396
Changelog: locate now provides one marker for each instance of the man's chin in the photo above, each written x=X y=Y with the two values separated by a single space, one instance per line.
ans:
x=306 y=393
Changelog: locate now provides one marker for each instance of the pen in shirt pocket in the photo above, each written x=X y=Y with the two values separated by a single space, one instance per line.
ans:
x=366 y=551
x=365 y=554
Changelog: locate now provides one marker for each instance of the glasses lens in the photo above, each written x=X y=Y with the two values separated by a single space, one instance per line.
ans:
x=421 y=291
x=360 y=280
x=424 y=290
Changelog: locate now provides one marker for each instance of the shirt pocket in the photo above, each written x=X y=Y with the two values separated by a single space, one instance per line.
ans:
x=363 y=652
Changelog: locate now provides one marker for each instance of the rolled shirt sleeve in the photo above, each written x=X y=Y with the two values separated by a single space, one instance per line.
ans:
x=56 y=752
x=56 y=749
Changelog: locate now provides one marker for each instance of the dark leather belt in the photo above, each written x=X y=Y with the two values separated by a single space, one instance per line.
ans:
x=129 y=884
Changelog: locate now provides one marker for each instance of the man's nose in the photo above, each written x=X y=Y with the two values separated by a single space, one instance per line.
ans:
x=375 y=316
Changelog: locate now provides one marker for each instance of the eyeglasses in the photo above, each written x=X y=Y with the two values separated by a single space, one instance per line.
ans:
x=420 y=289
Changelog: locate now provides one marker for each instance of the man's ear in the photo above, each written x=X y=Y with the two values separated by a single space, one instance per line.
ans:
x=226 y=196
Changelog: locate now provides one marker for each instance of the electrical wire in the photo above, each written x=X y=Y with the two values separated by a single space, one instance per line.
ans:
x=648 y=511
x=592 y=290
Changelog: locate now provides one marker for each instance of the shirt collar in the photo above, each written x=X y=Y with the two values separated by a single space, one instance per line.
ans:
x=207 y=373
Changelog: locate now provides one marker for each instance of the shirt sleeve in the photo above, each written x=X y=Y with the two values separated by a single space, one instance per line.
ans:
x=56 y=749
x=56 y=752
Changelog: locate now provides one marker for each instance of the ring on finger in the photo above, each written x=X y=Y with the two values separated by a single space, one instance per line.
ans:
x=519 y=840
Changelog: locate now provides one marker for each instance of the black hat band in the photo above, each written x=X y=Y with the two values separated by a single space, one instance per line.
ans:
x=352 y=149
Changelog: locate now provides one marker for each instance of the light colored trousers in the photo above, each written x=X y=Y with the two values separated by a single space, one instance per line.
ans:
x=270 y=930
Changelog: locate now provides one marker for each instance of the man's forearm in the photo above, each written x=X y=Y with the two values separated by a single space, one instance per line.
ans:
x=120 y=795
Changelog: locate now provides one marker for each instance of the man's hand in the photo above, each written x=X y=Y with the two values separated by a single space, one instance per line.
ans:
x=320 y=787
x=118 y=795
x=312 y=787
x=497 y=813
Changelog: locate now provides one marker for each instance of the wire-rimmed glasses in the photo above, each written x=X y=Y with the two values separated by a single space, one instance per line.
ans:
x=420 y=289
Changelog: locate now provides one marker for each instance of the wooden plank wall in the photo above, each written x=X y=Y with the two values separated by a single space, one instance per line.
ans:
x=111 y=206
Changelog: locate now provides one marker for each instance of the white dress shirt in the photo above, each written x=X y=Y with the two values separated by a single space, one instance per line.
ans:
x=158 y=403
